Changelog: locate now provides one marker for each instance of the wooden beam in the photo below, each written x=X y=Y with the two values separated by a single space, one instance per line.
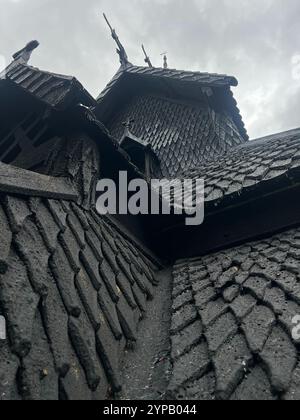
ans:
x=20 y=181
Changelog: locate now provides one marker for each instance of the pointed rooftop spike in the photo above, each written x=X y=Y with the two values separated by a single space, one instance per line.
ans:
x=25 y=54
x=120 y=50
x=147 y=58
x=165 y=60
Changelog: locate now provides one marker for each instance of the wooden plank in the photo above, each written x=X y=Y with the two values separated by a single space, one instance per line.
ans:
x=20 y=181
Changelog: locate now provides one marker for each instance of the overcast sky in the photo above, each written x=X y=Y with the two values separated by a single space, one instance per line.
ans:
x=258 y=41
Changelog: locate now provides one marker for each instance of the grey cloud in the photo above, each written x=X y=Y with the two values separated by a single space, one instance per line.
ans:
x=255 y=40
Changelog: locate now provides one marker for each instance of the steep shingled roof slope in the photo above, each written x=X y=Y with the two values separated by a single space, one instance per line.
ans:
x=55 y=90
x=185 y=78
x=204 y=79
x=232 y=323
x=182 y=135
x=73 y=289
x=252 y=164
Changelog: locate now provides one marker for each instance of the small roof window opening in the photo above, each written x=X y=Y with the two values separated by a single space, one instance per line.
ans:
x=140 y=152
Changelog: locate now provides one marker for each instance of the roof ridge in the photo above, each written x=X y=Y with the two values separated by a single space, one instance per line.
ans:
x=277 y=135
x=283 y=135
x=197 y=72
x=20 y=73
x=19 y=64
x=250 y=166
x=61 y=76
x=251 y=144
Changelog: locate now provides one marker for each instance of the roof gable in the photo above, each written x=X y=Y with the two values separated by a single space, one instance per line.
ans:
x=186 y=84
x=204 y=79
x=54 y=90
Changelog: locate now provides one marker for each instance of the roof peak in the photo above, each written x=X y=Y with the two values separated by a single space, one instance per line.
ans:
x=120 y=50
x=277 y=136
x=184 y=75
x=25 y=53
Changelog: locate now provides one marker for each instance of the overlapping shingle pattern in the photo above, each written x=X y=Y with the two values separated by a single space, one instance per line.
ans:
x=60 y=91
x=232 y=323
x=209 y=79
x=183 y=136
x=249 y=165
x=205 y=79
x=73 y=289
x=53 y=89
x=184 y=79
